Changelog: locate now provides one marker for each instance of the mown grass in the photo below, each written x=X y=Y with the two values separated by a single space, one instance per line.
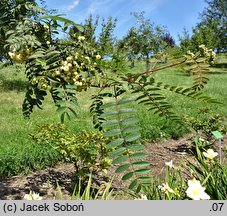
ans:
x=18 y=153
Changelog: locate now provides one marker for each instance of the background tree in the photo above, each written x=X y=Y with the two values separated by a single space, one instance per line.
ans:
x=210 y=31
x=106 y=39
x=145 y=39
x=130 y=45
x=214 y=18
x=185 y=41
x=90 y=30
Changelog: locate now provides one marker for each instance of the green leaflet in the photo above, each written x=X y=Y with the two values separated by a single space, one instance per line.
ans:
x=117 y=152
x=132 y=137
x=145 y=179
x=139 y=155
x=122 y=111
x=127 y=176
x=110 y=123
x=112 y=132
x=115 y=143
x=131 y=129
x=109 y=113
x=129 y=121
x=122 y=168
x=141 y=163
x=121 y=159
x=108 y=104
x=143 y=171
x=125 y=100
x=133 y=184
x=136 y=147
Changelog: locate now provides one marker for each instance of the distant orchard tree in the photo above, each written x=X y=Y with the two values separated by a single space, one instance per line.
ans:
x=214 y=18
x=210 y=31
x=168 y=39
x=145 y=39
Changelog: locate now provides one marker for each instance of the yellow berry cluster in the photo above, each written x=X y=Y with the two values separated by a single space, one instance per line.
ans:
x=20 y=56
x=42 y=82
x=208 y=53
x=75 y=70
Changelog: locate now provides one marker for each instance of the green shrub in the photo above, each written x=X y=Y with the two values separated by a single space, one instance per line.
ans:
x=87 y=150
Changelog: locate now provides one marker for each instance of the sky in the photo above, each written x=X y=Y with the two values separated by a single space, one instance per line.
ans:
x=174 y=14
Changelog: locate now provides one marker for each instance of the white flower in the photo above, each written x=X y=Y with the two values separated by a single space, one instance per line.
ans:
x=210 y=154
x=32 y=196
x=169 y=164
x=166 y=188
x=142 y=197
x=195 y=191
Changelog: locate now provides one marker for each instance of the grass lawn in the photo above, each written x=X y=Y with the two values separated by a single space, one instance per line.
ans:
x=18 y=153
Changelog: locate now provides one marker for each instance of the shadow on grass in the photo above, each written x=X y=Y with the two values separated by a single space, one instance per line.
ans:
x=10 y=85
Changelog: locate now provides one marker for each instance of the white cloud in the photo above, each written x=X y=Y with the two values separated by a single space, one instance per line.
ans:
x=147 y=6
x=98 y=6
x=72 y=5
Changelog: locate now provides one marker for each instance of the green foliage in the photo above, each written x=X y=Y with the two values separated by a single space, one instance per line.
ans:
x=13 y=13
x=16 y=159
x=89 y=192
x=86 y=150
x=210 y=122
x=211 y=173
x=210 y=31
x=214 y=21
x=143 y=41
x=67 y=67
x=172 y=187
x=150 y=95
x=126 y=149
